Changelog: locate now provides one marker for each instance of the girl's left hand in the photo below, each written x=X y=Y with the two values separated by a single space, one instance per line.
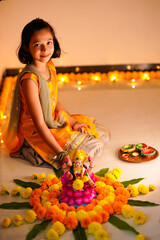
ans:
x=81 y=127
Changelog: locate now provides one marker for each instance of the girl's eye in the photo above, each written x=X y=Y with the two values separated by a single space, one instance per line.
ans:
x=37 y=45
x=50 y=43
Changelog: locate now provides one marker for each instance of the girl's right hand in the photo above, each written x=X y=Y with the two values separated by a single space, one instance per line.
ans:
x=81 y=127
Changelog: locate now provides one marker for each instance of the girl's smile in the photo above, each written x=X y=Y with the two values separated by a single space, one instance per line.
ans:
x=41 y=46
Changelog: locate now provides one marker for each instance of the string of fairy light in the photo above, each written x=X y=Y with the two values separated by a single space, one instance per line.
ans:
x=79 y=81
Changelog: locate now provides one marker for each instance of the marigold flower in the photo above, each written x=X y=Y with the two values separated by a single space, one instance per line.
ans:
x=104 y=215
x=101 y=234
x=17 y=220
x=54 y=187
x=34 y=176
x=54 y=201
x=116 y=174
x=71 y=222
x=78 y=184
x=36 y=192
x=108 y=207
x=58 y=227
x=41 y=212
x=85 y=222
x=94 y=202
x=110 y=188
x=16 y=191
x=91 y=213
x=37 y=206
x=81 y=214
x=127 y=211
x=122 y=191
x=139 y=217
x=117 y=206
x=80 y=208
x=51 y=213
x=93 y=227
x=118 y=170
x=50 y=177
x=132 y=190
x=97 y=218
x=26 y=193
x=98 y=208
x=110 y=198
x=100 y=184
x=41 y=177
x=45 y=193
x=59 y=218
x=143 y=189
x=52 y=234
x=117 y=184
x=102 y=202
x=140 y=237
x=4 y=190
x=6 y=222
x=121 y=198
x=110 y=176
x=100 y=197
x=152 y=187
x=47 y=205
x=54 y=194
x=30 y=216
x=89 y=207
x=64 y=206
x=62 y=212
x=72 y=213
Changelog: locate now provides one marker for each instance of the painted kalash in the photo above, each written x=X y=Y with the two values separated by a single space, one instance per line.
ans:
x=78 y=181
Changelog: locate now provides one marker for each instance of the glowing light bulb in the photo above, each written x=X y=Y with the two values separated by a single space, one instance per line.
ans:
x=4 y=116
x=2 y=141
x=79 y=88
x=62 y=79
x=128 y=67
x=79 y=82
x=133 y=80
x=113 y=78
x=133 y=86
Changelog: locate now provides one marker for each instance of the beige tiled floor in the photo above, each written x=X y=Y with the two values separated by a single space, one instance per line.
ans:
x=133 y=116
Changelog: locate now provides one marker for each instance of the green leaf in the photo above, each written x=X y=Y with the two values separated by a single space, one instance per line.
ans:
x=102 y=172
x=79 y=233
x=21 y=183
x=122 y=225
x=141 y=203
x=15 y=205
x=133 y=181
x=37 y=229
x=58 y=172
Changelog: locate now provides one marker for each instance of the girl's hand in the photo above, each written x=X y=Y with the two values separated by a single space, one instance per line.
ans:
x=81 y=127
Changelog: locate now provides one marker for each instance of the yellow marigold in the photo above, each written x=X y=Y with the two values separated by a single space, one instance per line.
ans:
x=4 y=190
x=17 y=220
x=92 y=213
x=102 y=202
x=56 y=207
x=110 y=198
x=59 y=184
x=62 y=212
x=132 y=190
x=110 y=176
x=118 y=170
x=100 y=184
x=47 y=205
x=52 y=235
x=78 y=184
x=116 y=174
x=26 y=193
x=59 y=227
x=16 y=191
x=6 y=222
x=44 y=199
x=98 y=208
x=152 y=187
x=139 y=217
x=78 y=153
x=143 y=189
x=110 y=188
x=41 y=177
x=93 y=227
x=127 y=211
x=85 y=179
x=101 y=234
x=30 y=216
x=140 y=237
x=50 y=177
x=72 y=213
x=45 y=193
x=54 y=186
x=34 y=176
x=81 y=214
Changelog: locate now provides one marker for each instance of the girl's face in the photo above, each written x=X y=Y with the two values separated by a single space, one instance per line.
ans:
x=41 y=46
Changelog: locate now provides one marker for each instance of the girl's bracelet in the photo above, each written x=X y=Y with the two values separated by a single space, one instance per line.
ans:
x=60 y=156
x=74 y=124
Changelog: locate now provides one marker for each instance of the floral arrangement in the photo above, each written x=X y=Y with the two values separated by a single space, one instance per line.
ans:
x=112 y=200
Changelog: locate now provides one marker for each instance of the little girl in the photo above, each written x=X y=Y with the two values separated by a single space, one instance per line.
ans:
x=40 y=129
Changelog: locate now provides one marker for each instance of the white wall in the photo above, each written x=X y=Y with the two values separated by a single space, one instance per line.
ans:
x=91 y=32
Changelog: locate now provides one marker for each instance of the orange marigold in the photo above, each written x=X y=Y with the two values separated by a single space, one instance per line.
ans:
x=108 y=181
x=80 y=208
x=55 y=180
x=37 y=192
x=100 y=197
x=121 y=198
x=85 y=222
x=46 y=184
x=97 y=218
x=101 y=179
x=53 y=194
x=54 y=201
x=34 y=200
x=117 y=184
x=89 y=207
x=108 y=208
x=41 y=213
x=51 y=213
x=94 y=202
x=71 y=222
x=117 y=207
x=104 y=215
x=64 y=207
x=71 y=208
x=37 y=206
x=122 y=191
x=59 y=218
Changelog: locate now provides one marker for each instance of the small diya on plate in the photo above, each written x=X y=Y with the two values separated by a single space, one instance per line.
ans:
x=140 y=152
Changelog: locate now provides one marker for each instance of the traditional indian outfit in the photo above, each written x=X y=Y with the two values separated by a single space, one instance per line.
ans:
x=22 y=135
